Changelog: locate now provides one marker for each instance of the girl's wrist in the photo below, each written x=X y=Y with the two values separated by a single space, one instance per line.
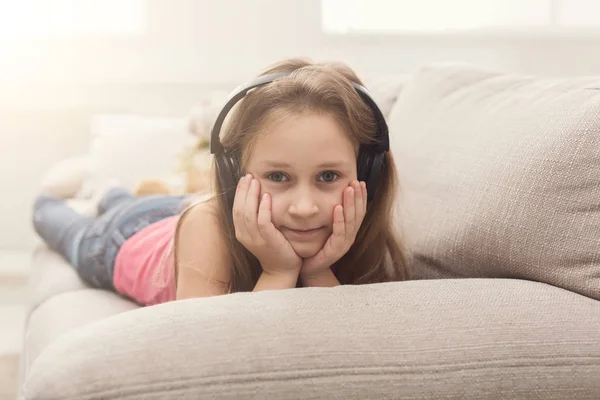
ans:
x=315 y=274
x=273 y=280
x=323 y=278
x=284 y=271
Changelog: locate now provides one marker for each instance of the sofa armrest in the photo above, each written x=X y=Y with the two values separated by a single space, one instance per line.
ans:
x=65 y=178
x=442 y=339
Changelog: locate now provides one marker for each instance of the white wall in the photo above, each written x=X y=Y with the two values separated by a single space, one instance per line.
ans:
x=225 y=40
x=49 y=89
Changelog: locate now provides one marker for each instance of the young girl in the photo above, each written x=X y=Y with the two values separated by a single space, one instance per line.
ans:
x=289 y=210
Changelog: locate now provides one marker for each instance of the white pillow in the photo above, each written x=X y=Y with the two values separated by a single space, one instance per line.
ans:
x=66 y=178
x=204 y=114
x=129 y=148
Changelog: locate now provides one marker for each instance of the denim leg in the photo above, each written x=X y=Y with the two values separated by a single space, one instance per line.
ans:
x=113 y=198
x=93 y=247
x=59 y=226
x=91 y=244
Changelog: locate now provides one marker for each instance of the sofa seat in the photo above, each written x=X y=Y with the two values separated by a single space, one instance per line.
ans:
x=59 y=302
x=451 y=339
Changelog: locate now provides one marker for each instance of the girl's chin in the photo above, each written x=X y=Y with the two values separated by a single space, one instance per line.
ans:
x=307 y=250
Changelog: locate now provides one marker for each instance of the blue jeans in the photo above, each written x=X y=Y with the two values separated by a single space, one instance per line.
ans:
x=91 y=244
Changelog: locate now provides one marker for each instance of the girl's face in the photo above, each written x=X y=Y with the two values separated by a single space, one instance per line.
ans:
x=304 y=162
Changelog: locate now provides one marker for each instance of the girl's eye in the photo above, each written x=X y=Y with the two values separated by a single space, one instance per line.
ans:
x=328 y=176
x=277 y=177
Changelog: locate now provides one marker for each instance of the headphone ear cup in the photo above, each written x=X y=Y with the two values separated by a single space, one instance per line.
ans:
x=363 y=164
x=375 y=171
x=227 y=171
x=369 y=166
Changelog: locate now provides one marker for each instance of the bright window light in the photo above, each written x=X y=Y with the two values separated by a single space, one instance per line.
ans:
x=397 y=16
x=578 y=13
x=57 y=18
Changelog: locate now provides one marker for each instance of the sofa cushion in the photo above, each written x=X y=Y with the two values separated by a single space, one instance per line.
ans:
x=63 y=313
x=386 y=89
x=500 y=176
x=50 y=275
x=464 y=338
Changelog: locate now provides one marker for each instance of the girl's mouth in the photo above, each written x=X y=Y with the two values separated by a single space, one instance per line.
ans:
x=305 y=232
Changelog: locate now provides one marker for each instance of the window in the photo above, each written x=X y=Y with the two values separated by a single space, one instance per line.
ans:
x=55 y=18
x=441 y=16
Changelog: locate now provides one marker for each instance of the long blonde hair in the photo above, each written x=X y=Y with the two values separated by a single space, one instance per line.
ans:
x=376 y=255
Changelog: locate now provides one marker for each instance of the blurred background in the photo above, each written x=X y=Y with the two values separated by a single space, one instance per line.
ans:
x=64 y=61
x=76 y=72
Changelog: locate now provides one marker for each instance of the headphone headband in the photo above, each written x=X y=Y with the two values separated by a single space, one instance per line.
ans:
x=383 y=142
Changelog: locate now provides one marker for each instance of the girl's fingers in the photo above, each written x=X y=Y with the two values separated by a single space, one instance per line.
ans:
x=363 y=186
x=339 y=226
x=265 y=226
x=251 y=209
x=359 y=204
x=239 y=205
x=349 y=209
x=335 y=245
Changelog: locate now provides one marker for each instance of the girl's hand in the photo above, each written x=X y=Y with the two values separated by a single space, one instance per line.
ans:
x=256 y=232
x=347 y=219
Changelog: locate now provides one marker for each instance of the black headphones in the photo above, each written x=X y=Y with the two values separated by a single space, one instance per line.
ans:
x=369 y=164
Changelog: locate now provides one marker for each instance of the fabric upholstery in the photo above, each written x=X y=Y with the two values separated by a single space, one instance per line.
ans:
x=64 y=313
x=50 y=314
x=450 y=339
x=500 y=176
x=50 y=275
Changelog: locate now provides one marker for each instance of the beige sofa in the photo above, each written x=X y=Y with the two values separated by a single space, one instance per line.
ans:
x=500 y=213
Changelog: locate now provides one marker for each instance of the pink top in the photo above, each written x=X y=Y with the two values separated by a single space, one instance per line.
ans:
x=144 y=267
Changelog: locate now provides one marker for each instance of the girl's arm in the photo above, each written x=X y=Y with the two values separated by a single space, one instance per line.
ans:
x=202 y=262
x=282 y=280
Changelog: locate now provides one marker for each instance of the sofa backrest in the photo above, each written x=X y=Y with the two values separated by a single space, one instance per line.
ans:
x=499 y=176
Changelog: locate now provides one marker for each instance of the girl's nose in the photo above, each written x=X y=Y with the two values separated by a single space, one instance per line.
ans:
x=303 y=206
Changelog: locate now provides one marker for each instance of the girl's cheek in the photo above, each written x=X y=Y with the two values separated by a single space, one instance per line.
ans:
x=266 y=187
x=329 y=202
x=277 y=209
x=337 y=197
